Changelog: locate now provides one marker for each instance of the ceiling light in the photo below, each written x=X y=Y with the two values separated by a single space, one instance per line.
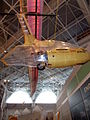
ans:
x=46 y=97
x=5 y=81
x=19 y=97
x=5 y=51
x=63 y=42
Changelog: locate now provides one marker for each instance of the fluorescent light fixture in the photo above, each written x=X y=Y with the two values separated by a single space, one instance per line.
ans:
x=5 y=51
x=19 y=97
x=46 y=97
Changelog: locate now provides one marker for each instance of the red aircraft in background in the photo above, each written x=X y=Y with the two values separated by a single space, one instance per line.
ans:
x=34 y=7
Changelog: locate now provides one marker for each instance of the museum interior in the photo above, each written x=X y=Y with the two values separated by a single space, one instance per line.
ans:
x=44 y=60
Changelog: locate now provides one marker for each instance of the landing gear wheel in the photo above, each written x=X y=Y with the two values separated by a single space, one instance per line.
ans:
x=41 y=66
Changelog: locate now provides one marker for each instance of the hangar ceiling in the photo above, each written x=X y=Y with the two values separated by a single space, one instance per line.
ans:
x=71 y=24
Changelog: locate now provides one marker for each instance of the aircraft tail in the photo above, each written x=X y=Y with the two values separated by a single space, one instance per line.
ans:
x=28 y=37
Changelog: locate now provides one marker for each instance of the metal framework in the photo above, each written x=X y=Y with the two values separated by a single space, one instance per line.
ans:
x=10 y=32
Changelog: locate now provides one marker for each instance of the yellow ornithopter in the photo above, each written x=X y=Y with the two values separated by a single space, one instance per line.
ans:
x=47 y=53
x=37 y=54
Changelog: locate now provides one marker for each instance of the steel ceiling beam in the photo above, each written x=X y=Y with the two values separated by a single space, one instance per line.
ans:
x=65 y=28
x=53 y=5
x=84 y=7
x=17 y=36
x=11 y=8
x=70 y=26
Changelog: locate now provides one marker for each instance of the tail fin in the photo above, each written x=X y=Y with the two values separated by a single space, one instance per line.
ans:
x=28 y=37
